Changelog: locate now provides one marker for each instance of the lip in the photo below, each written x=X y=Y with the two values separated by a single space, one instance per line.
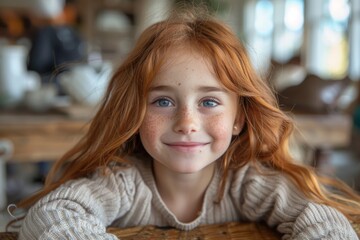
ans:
x=186 y=146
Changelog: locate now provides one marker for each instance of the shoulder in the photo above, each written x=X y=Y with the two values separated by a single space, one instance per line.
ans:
x=263 y=181
x=128 y=177
x=251 y=173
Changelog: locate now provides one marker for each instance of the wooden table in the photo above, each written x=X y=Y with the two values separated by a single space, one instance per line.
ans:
x=230 y=230
x=41 y=137
x=332 y=131
x=317 y=133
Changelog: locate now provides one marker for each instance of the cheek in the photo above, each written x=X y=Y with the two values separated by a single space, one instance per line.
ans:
x=220 y=128
x=151 y=128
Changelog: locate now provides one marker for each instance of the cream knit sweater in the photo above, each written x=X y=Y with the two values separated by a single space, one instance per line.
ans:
x=83 y=208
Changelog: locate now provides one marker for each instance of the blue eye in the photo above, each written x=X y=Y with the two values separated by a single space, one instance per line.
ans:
x=210 y=103
x=163 y=102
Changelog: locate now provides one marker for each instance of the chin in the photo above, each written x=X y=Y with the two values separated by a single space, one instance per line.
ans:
x=189 y=169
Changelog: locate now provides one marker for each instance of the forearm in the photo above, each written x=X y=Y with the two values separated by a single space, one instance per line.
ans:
x=319 y=222
x=63 y=224
x=80 y=209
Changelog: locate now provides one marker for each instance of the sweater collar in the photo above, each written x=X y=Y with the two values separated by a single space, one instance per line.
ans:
x=145 y=168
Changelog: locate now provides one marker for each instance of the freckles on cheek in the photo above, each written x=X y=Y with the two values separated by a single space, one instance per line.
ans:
x=221 y=131
x=150 y=127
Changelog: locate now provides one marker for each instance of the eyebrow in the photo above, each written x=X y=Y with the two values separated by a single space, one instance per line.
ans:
x=204 y=89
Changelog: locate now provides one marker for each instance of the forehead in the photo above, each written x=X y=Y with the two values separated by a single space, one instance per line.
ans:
x=185 y=59
x=184 y=71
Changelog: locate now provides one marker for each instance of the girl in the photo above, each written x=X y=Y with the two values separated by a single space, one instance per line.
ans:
x=187 y=134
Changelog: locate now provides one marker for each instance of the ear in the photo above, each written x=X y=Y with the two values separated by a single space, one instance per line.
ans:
x=238 y=124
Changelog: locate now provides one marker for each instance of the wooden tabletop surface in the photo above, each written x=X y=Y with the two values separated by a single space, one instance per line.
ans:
x=231 y=230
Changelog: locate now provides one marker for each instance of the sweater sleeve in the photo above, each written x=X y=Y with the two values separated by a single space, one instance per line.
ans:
x=276 y=200
x=80 y=209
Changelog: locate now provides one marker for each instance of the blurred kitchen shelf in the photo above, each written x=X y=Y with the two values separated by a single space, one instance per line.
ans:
x=112 y=43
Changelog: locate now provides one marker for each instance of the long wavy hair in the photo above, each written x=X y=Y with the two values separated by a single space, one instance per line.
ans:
x=112 y=134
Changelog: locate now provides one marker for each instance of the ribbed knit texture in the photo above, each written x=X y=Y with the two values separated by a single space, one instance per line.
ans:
x=83 y=208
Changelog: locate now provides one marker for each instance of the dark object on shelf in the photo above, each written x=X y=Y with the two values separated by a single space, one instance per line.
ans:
x=313 y=95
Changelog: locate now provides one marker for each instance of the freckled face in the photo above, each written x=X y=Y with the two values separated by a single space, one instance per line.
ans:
x=190 y=116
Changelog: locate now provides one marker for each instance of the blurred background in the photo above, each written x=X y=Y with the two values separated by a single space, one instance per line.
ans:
x=57 y=56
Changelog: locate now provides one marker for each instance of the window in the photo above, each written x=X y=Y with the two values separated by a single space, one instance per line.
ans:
x=328 y=45
x=288 y=34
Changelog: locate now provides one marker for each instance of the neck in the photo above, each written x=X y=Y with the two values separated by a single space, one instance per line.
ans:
x=183 y=193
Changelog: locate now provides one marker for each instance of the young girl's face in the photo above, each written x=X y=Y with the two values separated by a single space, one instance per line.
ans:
x=190 y=117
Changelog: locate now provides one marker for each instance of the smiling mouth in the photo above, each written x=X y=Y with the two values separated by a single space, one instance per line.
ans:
x=186 y=146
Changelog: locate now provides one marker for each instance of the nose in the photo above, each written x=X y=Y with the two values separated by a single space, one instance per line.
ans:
x=187 y=121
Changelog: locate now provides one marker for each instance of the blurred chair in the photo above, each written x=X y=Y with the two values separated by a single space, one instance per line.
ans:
x=322 y=123
x=314 y=95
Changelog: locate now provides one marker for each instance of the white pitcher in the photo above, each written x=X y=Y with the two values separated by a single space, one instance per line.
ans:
x=14 y=77
x=86 y=84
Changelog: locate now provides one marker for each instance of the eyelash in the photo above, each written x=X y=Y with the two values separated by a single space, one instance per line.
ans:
x=213 y=100
x=157 y=101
